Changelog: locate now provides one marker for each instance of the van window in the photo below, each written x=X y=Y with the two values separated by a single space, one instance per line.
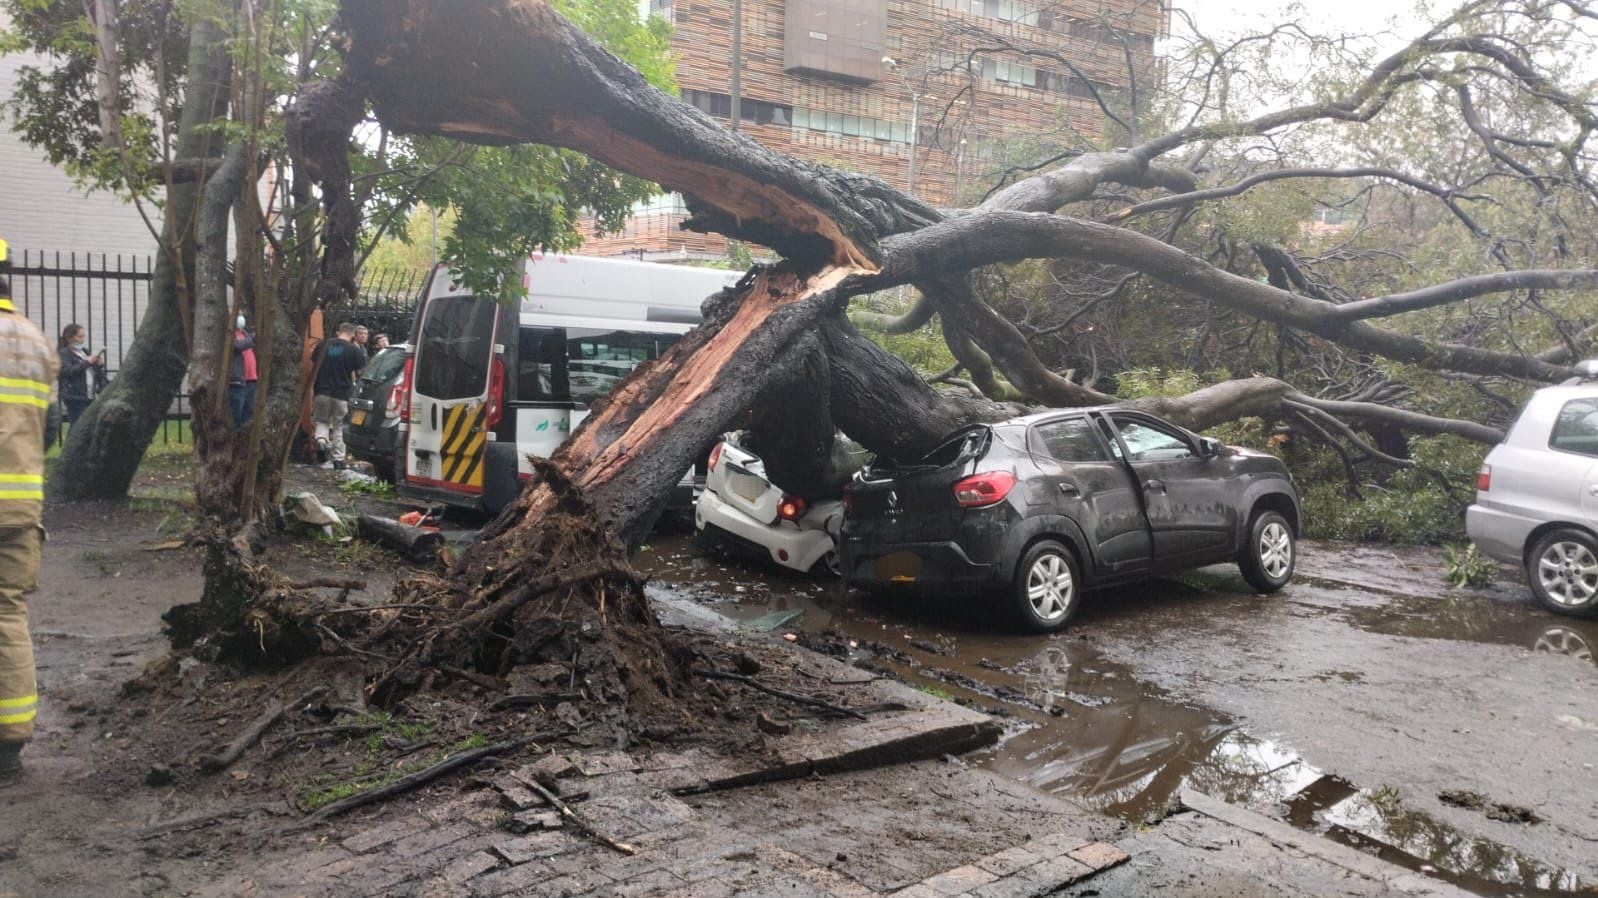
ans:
x=452 y=354
x=597 y=361
x=541 y=365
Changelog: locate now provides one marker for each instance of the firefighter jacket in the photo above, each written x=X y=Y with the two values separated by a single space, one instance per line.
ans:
x=27 y=384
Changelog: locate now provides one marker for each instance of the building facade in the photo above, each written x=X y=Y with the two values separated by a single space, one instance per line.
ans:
x=929 y=95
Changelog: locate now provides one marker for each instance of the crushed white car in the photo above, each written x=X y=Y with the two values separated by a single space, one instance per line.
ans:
x=742 y=511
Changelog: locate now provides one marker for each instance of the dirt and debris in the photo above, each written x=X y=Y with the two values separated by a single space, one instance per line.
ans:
x=1495 y=810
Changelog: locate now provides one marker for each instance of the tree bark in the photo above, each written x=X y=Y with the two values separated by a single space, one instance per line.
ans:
x=105 y=447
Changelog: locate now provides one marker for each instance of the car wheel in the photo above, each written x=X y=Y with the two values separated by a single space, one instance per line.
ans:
x=1047 y=587
x=828 y=565
x=1564 y=641
x=1563 y=569
x=1271 y=553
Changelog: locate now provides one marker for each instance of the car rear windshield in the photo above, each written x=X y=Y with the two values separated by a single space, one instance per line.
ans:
x=456 y=341
x=962 y=445
x=384 y=366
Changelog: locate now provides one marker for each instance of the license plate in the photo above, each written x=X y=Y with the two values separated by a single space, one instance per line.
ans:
x=358 y=417
x=422 y=466
x=747 y=485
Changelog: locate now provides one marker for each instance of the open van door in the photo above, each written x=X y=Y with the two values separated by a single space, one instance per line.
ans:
x=456 y=390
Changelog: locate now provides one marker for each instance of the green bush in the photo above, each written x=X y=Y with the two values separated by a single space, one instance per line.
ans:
x=1420 y=505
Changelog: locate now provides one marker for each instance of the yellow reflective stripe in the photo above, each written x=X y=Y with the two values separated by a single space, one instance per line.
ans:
x=26 y=700
x=24 y=717
x=14 y=399
x=20 y=478
x=23 y=383
x=23 y=492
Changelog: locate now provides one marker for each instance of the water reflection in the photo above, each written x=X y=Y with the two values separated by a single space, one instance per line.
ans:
x=1087 y=728
x=1377 y=822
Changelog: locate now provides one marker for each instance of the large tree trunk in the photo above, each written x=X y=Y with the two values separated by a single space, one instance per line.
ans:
x=105 y=447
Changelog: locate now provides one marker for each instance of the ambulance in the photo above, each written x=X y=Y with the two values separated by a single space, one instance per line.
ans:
x=490 y=383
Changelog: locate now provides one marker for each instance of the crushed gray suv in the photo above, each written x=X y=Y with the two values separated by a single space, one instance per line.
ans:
x=1537 y=497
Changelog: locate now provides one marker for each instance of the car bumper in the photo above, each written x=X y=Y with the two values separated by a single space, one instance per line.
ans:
x=932 y=566
x=432 y=495
x=784 y=544
x=1499 y=534
x=376 y=446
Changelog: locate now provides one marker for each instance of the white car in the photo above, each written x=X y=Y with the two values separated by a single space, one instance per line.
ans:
x=741 y=510
x=1537 y=497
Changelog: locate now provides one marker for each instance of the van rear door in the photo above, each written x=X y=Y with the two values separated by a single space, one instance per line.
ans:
x=449 y=398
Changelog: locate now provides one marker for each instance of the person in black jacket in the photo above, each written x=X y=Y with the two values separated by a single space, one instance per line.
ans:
x=82 y=375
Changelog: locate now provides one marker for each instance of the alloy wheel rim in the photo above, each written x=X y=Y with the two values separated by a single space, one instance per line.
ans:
x=1049 y=587
x=1562 y=641
x=1568 y=572
x=1276 y=550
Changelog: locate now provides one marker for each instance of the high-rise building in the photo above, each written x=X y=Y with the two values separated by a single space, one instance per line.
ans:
x=929 y=95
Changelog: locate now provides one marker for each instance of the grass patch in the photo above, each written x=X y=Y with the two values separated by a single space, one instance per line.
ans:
x=935 y=692
x=367 y=487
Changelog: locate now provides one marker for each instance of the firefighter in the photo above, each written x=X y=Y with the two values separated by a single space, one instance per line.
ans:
x=27 y=380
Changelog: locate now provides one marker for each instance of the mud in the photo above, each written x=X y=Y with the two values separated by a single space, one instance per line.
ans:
x=1367 y=673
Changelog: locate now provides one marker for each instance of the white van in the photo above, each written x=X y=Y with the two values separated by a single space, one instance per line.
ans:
x=491 y=383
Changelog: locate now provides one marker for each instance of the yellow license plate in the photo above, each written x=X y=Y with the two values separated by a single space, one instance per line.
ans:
x=358 y=417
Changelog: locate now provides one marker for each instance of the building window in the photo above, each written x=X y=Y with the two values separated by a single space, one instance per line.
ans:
x=759 y=112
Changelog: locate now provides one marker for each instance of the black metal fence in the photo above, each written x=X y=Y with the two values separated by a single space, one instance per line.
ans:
x=109 y=294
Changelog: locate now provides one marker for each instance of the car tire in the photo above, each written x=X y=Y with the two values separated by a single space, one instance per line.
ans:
x=1047 y=587
x=828 y=566
x=1563 y=570
x=1271 y=553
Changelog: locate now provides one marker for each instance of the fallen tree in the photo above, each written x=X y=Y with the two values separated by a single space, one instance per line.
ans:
x=549 y=581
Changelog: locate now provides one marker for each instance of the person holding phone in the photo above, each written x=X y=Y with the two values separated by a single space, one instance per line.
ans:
x=82 y=375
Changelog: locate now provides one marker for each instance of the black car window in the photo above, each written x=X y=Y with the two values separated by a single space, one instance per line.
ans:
x=1146 y=442
x=384 y=366
x=1071 y=440
x=1576 y=428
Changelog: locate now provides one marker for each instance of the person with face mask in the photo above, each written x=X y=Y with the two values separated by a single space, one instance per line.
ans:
x=242 y=374
x=82 y=375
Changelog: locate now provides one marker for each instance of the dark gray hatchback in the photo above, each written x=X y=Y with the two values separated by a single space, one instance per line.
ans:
x=1042 y=507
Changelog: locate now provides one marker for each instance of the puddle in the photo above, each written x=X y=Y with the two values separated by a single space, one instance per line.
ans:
x=1086 y=728
x=1519 y=624
x=1378 y=824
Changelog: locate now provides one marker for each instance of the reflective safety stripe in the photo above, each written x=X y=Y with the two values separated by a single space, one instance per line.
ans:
x=37 y=387
x=19 y=710
x=21 y=391
x=21 y=492
x=20 y=478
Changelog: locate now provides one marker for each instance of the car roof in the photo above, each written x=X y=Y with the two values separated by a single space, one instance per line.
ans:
x=1569 y=391
x=1051 y=414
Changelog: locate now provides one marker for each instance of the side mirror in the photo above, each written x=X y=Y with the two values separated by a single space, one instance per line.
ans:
x=1588 y=369
x=1209 y=447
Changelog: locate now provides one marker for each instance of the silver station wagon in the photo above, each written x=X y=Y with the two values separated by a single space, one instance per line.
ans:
x=1537 y=497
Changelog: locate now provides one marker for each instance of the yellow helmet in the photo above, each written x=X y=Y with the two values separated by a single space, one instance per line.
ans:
x=5 y=253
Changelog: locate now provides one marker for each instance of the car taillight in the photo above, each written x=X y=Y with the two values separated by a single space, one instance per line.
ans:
x=1484 y=480
x=402 y=390
x=791 y=508
x=715 y=456
x=496 y=394
x=983 y=489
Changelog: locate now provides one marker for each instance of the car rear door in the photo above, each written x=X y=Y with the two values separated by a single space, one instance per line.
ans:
x=1574 y=439
x=449 y=398
x=1084 y=483
x=1192 y=515
x=739 y=480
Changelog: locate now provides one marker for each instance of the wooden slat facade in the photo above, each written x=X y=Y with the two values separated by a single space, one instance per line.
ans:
x=929 y=39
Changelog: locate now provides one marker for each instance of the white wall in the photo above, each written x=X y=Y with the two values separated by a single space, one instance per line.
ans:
x=41 y=209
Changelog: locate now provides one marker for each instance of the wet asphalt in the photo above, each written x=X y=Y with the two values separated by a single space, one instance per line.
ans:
x=1454 y=732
